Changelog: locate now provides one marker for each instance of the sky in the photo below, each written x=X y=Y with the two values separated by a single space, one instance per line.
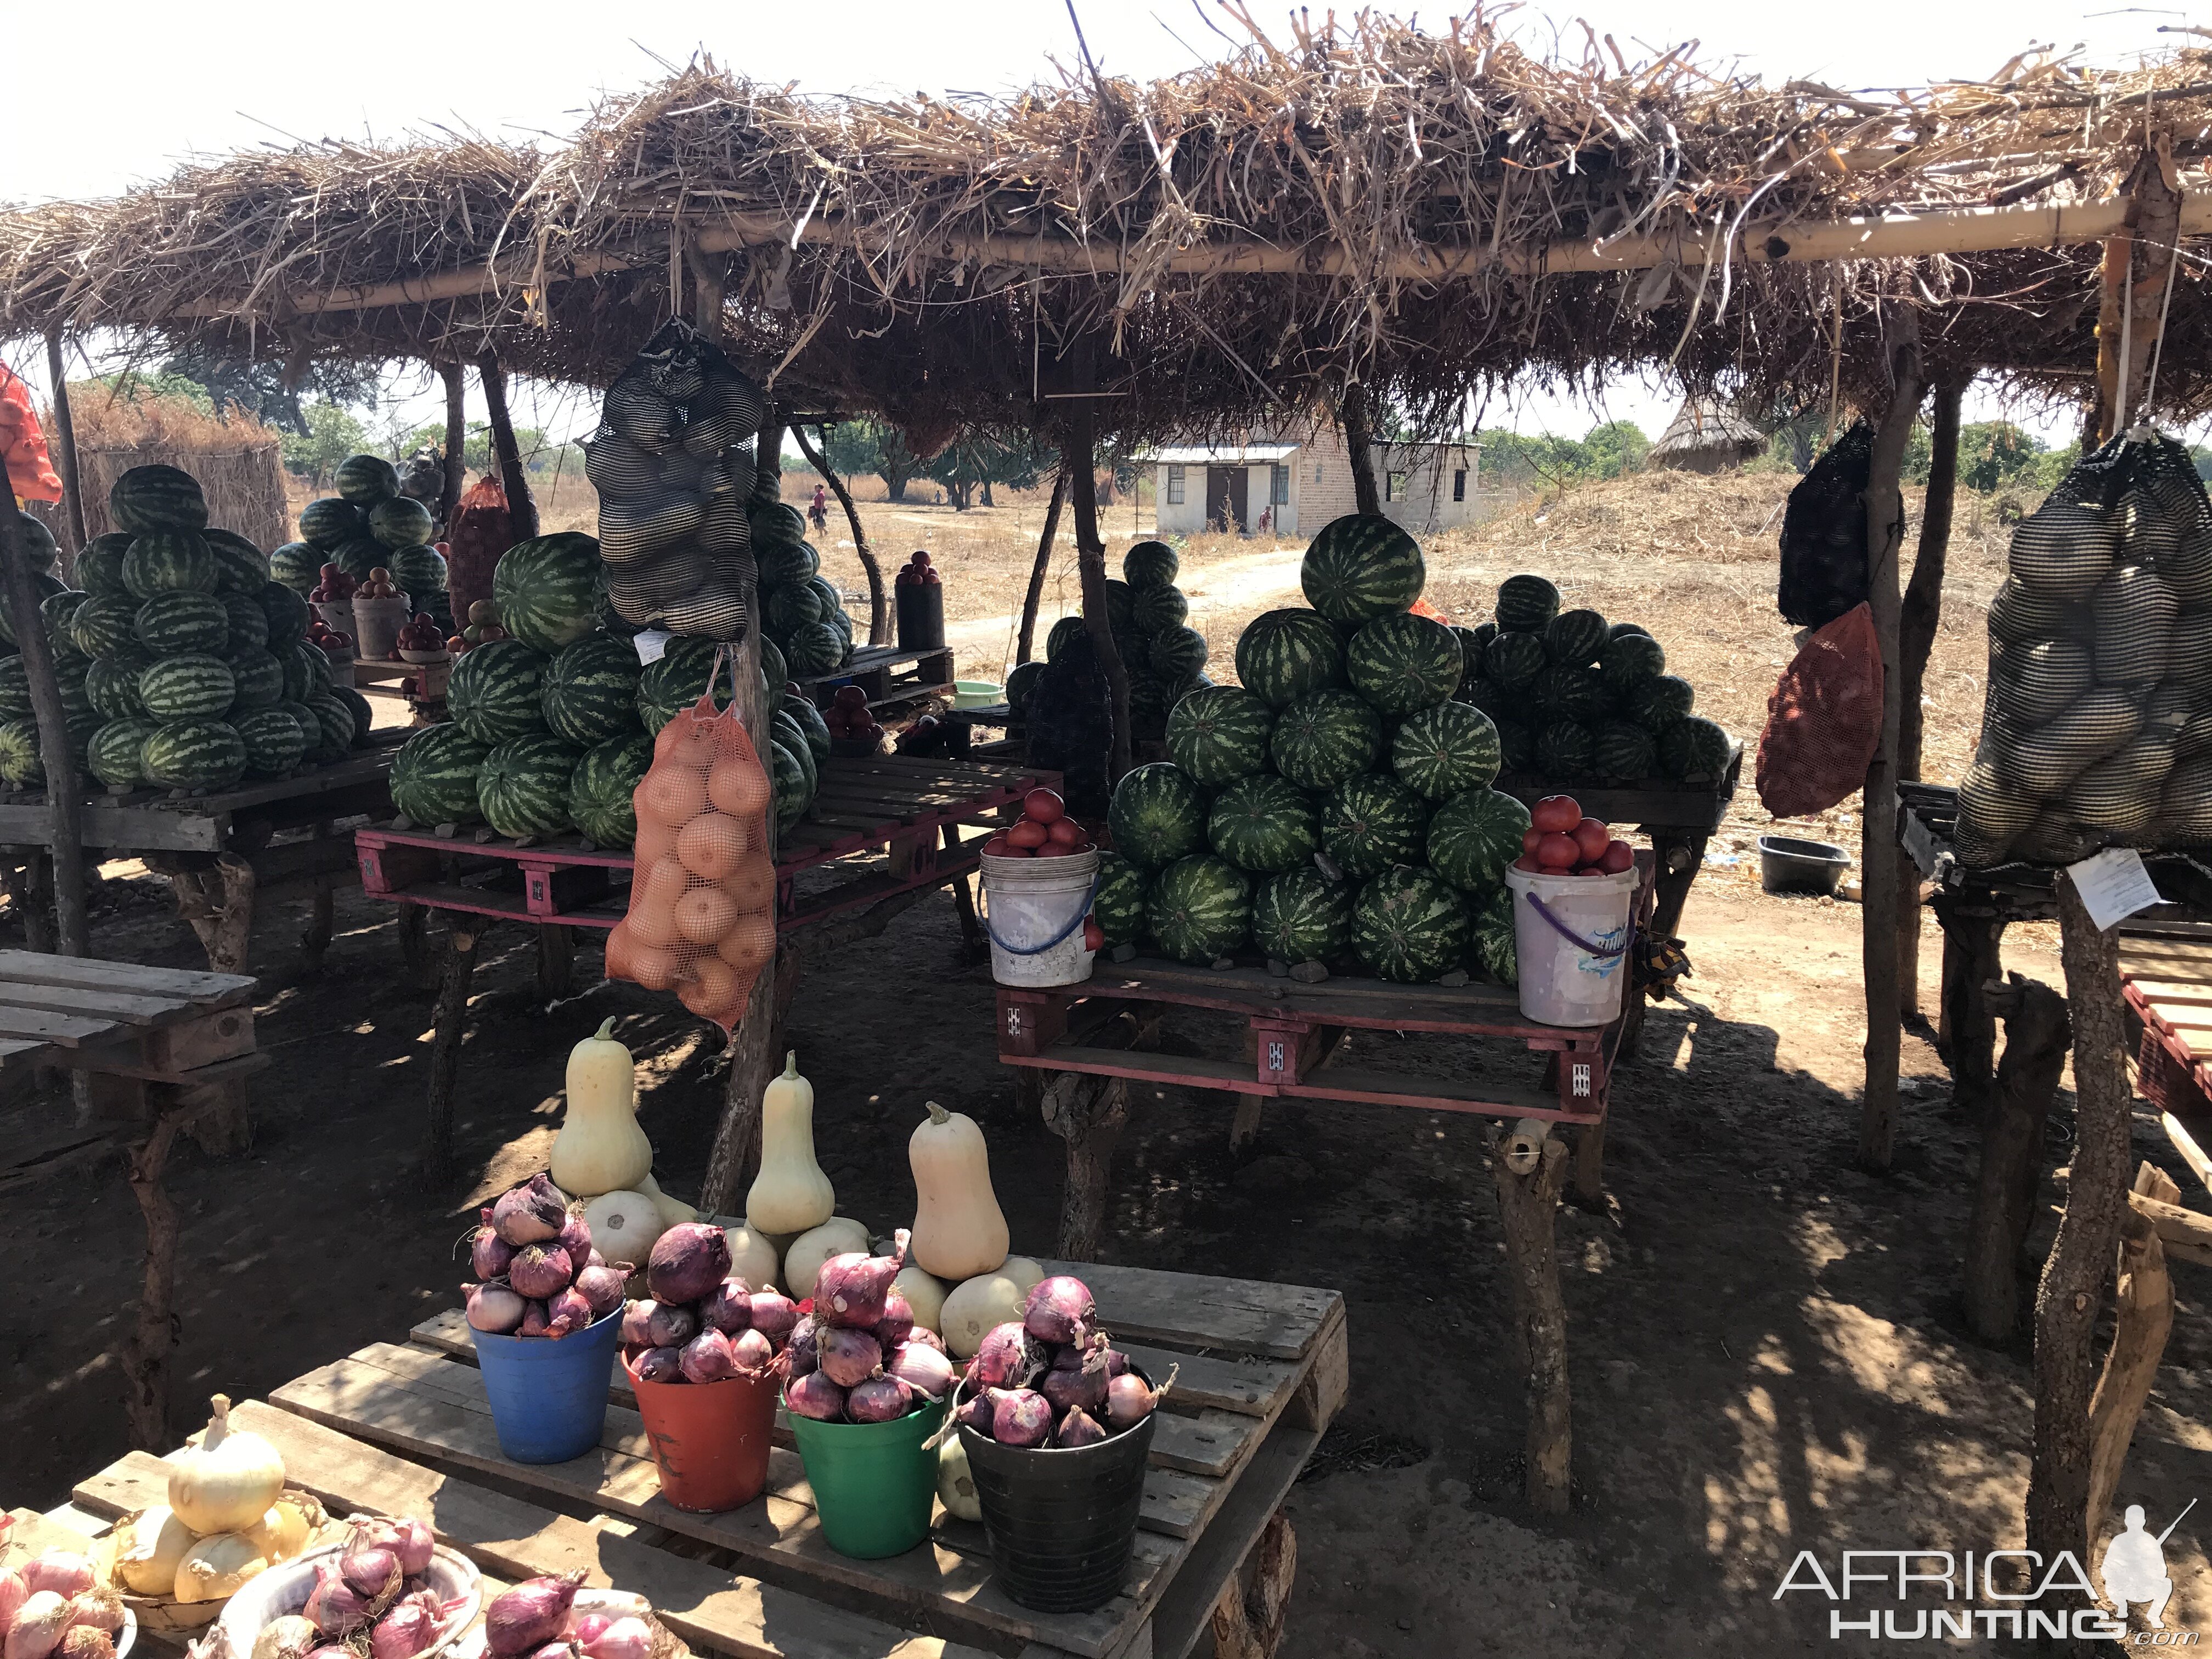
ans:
x=119 y=93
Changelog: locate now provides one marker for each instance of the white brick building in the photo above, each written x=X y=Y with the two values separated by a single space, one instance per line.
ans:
x=1294 y=484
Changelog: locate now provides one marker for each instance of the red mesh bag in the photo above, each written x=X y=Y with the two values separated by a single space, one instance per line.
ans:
x=1823 y=721
x=701 y=920
x=482 y=530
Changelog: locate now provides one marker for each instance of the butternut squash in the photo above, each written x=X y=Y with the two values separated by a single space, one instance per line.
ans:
x=958 y=1228
x=600 y=1148
x=839 y=1235
x=791 y=1194
x=752 y=1257
x=974 y=1307
x=924 y=1293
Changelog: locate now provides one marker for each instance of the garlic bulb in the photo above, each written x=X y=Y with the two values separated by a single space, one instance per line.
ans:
x=149 y=1547
x=228 y=1481
x=215 y=1568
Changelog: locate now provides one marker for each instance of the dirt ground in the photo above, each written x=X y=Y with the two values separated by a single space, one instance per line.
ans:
x=1768 y=1353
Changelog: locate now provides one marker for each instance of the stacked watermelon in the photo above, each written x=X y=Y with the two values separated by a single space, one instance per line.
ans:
x=1576 y=699
x=1164 y=656
x=801 y=609
x=1336 y=806
x=368 y=524
x=183 y=665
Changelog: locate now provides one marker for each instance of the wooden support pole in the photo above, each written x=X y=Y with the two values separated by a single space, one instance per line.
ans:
x=1531 y=1167
x=1916 y=621
x=556 y=960
x=2131 y=287
x=1089 y=1113
x=449 y=1027
x=2144 y=1320
x=2037 y=1033
x=1025 y=642
x=1359 y=446
x=146 y=1361
x=457 y=443
x=1879 y=854
x=2067 y=1301
x=1248 y=1618
x=1079 y=458
x=65 y=448
x=521 y=505
x=64 y=789
x=879 y=623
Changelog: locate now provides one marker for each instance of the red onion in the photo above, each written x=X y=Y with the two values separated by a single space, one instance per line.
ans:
x=576 y=1237
x=753 y=1353
x=601 y=1287
x=925 y=1370
x=625 y=1638
x=1129 y=1402
x=489 y=1254
x=63 y=1571
x=898 y=1322
x=1007 y=1359
x=1078 y=1428
x=559 y=1648
x=706 y=1357
x=773 y=1314
x=371 y=1565
x=1059 y=1310
x=1020 y=1417
x=927 y=1338
x=1081 y=1385
x=494 y=1308
x=584 y=1628
x=1117 y=1363
x=38 y=1626
x=536 y=1321
x=879 y=1400
x=403 y=1632
x=816 y=1397
x=803 y=1353
x=99 y=1607
x=659 y=1365
x=634 y=1315
x=849 y=1357
x=412 y=1543
x=13 y=1592
x=530 y=1213
x=851 y=1289
x=334 y=1606
x=667 y=1327
x=533 y=1614
x=687 y=1261
x=594 y=1259
x=567 y=1312
x=85 y=1641
x=728 y=1307
x=539 y=1270
x=975 y=1413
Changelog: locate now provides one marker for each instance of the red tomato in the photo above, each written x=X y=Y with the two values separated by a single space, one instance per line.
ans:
x=1043 y=806
x=1066 y=831
x=1526 y=861
x=1027 y=834
x=1593 y=838
x=1092 y=939
x=1588 y=870
x=1558 y=853
x=851 y=697
x=1054 y=849
x=1000 y=848
x=1557 y=814
x=1530 y=839
x=1618 y=856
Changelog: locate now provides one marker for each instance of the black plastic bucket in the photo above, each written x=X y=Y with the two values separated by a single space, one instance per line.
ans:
x=1061 y=1523
x=1786 y=864
x=920 y=615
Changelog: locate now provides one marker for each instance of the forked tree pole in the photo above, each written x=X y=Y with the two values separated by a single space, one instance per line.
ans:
x=65 y=809
x=1025 y=643
x=1359 y=446
x=878 y=606
x=457 y=439
x=1917 y=622
x=66 y=434
x=521 y=505
x=1090 y=556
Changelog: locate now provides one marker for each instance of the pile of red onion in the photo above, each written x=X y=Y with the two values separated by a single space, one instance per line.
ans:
x=373 y=1598
x=700 y=1324
x=859 y=1357
x=538 y=1619
x=52 y=1607
x=1053 y=1380
x=538 y=1274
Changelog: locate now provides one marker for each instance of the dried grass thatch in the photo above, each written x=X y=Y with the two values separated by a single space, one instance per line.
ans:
x=238 y=460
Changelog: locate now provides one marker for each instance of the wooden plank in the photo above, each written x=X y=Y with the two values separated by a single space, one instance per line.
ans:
x=97 y=974
x=2185 y=1143
x=34 y=1532
x=2162 y=991
x=126 y=1007
x=68 y=1030
x=1185 y=1611
x=75 y=1519
x=1245 y=1384
x=136 y=1480
x=1246 y=1315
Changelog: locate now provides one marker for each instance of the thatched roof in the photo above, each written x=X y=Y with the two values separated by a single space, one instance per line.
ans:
x=1704 y=432
x=1430 y=213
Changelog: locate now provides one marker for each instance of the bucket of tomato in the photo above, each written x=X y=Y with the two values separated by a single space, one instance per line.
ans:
x=1574 y=893
x=1039 y=874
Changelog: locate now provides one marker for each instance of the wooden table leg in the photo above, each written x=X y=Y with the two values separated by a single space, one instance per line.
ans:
x=414 y=948
x=1972 y=936
x=1089 y=1114
x=2037 y=1037
x=218 y=903
x=1531 y=1167
x=1678 y=856
x=1589 y=1164
x=321 y=922
x=557 y=958
x=1248 y=1619
x=450 y=1027
x=39 y=899
x=146 y=1357
x=1244 y=1125
x=972 y=938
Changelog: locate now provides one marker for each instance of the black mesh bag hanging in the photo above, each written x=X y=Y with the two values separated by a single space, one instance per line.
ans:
x=1824 y=534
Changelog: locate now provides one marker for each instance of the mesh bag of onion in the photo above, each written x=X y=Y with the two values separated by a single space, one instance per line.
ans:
x=701 y=918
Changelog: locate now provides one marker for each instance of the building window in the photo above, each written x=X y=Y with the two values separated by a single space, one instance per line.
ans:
x=1459 y=483
x=1394 y=486
x=1316 y=471
x=1279 y=485
x=1174 y=486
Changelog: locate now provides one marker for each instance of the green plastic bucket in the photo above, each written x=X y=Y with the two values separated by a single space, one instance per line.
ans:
x=874 y=1483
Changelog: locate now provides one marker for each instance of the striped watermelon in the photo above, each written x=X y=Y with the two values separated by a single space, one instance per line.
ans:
x=1220 y=733
x=258 y=678
x=1022 y=679
x=170 y=562
x=548 y=589
x=1063 y=633
x=1626 y=661
x=815 y=650
x=1301 y=915
x=1621 y=630
x=1177 y=654
x=240 y=566
x=113 y=754
x=195 y=686
x=365 y=480
x=496 y=691
x=173 y=624
x=1370 y=823
x=40 y=551
x=1565 y=749
x=157 y=498
x=1263 y=825
x=1150 y=564
x=297 y=566
x=193 y=755
x=782 y=564
x=1156 y=815
x=774 y=670
x=1564 y=691
x=434 y=779
x=307 y=671
x=1285 y=655
x=677 y=680
x=811 y=725
x=589 y=691
x=110 y=684
x=601 y=788
x=105 y=622
x=1514 y=660
x=775 y=523
x=1201 y=908
x=1409 y=926
x=1575 y=637
x=1159 y=609
x=794 y=792
x=791 y=606
x=523 y=785
x=1526 y=605
x=360 y=556
x=788 y=732
x=1475 y=835
x=1491 y=924
x=46 y=587
x=1361 y=567
x=274 y=741
x=99 y=568
x=400 y=521
x=249 y=622
x=332 y=733
x=1402 y=662
x=418 y=572
x=1118 y=908
x=364 y=717
x=1658 y=703
x=15 y=689
x=1121 y=606
x=1694 y=750
x=1322 y=740
x=1626 y=751
x=58 y=613
x=20 y=766
x=285 y=612
x=329 y=523
x=1442 y=750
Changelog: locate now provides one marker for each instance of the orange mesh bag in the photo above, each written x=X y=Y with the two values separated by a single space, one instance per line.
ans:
x=702 y=921
x=1823 y=719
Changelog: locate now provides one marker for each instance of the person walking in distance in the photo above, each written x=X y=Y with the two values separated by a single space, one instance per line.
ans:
x=818 y=509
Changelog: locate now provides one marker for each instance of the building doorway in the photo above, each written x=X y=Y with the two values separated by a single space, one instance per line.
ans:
x=1226 y=498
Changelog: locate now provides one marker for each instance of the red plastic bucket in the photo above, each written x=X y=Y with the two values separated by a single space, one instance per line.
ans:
x=710 y=1440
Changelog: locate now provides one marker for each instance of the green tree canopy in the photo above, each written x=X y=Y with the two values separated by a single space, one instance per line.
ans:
x=331 y=435
x=868 y=445
x=258 y=386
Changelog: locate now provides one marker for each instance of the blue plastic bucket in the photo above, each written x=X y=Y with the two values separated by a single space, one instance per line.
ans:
x=548 y=1398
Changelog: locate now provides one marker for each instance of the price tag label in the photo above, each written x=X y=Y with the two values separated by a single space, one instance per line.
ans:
x=2113 y=885
x=650 y=644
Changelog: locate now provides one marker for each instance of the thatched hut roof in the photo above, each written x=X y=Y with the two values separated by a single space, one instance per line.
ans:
x=1431 y=214
x=1704 y=436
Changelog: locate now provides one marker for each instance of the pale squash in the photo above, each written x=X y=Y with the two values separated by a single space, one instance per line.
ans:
x=752 y=1257
x=1025 y=1273
x=791 y=1194
x=624 y=1225
x=958 y=1229
x=600 y=1148
x=839 y=1235
x=923 y=1293
x=975 y=1306
x=674 y=1212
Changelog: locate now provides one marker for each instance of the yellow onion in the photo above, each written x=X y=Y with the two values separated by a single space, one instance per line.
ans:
x=226 y=1482
x=286 y=1527
x=217 y=1567
x=152 y=1545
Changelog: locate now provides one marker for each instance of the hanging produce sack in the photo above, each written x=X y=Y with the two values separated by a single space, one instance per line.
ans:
x=2100 y=667
x=482 y=531
x=1823 y=719
x=673 y=463
x=1824 y=534
x=701 y=919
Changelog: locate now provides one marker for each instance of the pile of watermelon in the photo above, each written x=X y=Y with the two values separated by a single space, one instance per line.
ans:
x=183 y=666
x=1576 y=699
x=801 y=609
x=1164 y=656
x=368 y=524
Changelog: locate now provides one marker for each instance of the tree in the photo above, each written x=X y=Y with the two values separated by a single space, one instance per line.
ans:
x=258 y=386
x=976 y=459
x=1614 y=448
x=868 y=445
x=330 y=434
x=1992 y=453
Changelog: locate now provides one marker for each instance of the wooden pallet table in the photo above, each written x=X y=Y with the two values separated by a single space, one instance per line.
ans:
x=226 y=853
x=375 y=677
x=159 y=1050
x=890 y=674
x=406 y=1429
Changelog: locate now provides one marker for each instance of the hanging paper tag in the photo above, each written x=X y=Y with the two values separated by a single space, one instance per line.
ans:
x=651 y=644
x=2113 y=885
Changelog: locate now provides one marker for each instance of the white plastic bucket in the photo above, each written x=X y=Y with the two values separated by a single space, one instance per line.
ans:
x=1565 y=981
x=1033 y=909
